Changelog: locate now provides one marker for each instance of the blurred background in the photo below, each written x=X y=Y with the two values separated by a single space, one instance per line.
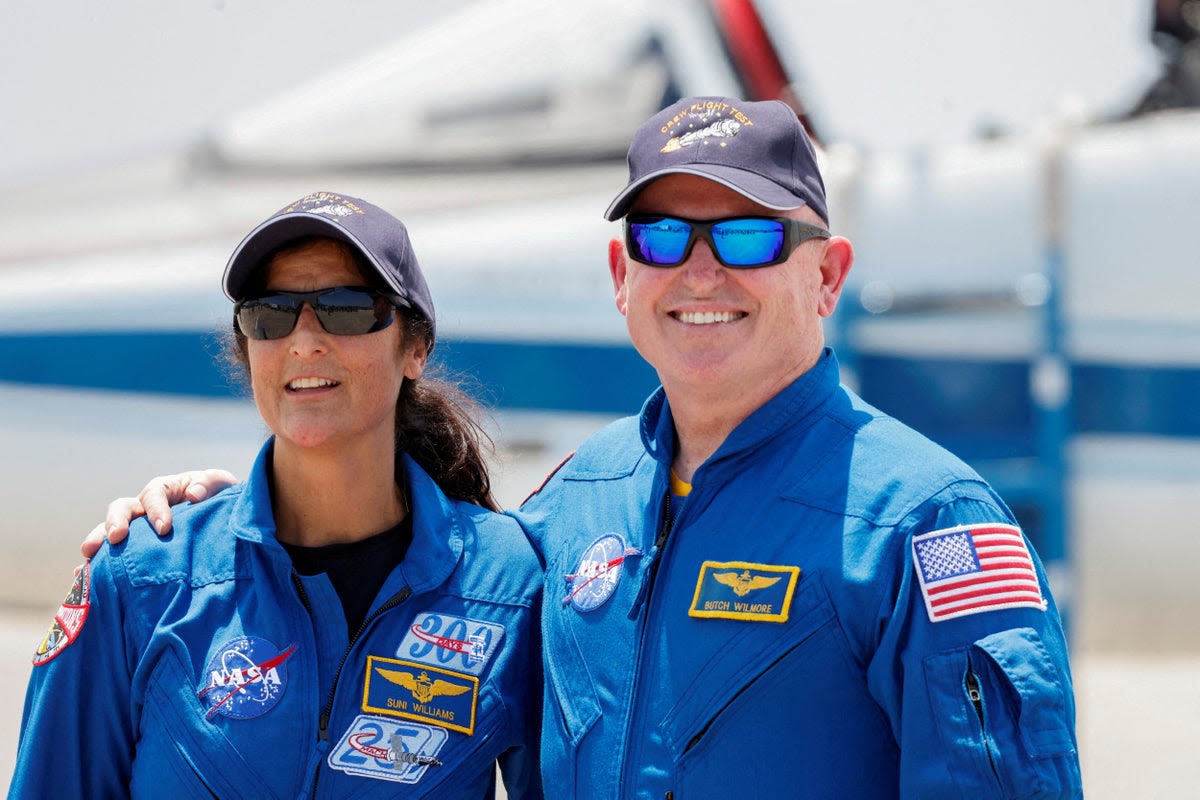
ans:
x=1021 y=181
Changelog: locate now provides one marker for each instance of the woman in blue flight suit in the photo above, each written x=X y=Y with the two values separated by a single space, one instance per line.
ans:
x=355 y=619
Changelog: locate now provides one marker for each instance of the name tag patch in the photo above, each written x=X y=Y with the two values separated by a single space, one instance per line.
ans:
x=388 y=749
x=445 y=640
x=422 y=692
x=745 y=591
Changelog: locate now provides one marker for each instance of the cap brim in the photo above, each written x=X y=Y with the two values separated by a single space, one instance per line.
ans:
x=748 y=184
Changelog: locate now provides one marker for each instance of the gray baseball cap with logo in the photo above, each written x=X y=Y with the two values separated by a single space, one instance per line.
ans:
x=757 y=149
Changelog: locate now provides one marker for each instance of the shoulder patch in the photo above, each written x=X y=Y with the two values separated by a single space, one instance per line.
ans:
x=69 y=619
x=970 y=569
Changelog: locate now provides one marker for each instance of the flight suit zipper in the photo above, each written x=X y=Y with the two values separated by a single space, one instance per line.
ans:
x=327 y=711
x=976 y=697
x=643 y=600
x=656 y=553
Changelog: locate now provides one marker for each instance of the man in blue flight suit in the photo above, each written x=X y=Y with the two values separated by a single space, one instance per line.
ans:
x=761 y=584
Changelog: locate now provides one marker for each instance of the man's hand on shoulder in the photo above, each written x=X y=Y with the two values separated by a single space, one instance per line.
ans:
x=155 y=501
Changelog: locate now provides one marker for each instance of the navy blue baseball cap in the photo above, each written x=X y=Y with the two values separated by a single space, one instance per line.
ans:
x=758 y=149
x=377 y=235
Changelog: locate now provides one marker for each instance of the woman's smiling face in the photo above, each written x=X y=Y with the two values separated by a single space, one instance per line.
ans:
x=316 y=389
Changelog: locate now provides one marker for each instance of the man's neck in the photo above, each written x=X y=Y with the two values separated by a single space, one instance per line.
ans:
x=704 y=416
x=703 y=421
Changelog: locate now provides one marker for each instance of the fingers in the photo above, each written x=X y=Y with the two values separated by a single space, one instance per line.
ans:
x=115 y=526
x=159 y=495
x=207 y=482
x=92 y=542
x=164 y=491
x=120 y=513
x=155 y=501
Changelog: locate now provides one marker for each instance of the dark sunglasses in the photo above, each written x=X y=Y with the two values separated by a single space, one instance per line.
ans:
x=737 y=242
x=341 y=310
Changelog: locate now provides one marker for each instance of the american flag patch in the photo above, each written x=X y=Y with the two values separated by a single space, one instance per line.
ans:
x=974 y=568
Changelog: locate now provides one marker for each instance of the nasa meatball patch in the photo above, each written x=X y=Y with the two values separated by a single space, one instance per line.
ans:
x=599 y=571
x=245 y=678
x=69 y=619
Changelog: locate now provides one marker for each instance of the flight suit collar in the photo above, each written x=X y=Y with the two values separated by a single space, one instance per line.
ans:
x=437 y=542
x=792 y=406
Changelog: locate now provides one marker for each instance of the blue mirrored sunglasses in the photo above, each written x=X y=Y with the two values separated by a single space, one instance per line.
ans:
x=341 y=310
x=737 y=242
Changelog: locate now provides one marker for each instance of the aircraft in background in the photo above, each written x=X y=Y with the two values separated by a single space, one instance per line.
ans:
x=1027 y=299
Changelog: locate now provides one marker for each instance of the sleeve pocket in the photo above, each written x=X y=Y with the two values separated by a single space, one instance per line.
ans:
x=1037 y=690
x=1005 y=717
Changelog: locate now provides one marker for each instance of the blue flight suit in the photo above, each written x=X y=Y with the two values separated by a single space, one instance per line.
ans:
x=208 y=667
x=841 y=609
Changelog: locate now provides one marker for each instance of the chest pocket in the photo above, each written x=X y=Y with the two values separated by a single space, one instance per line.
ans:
x=571 y=701
x=757 y=695
x=174 y=735
x=567 y=675
x=746 y=657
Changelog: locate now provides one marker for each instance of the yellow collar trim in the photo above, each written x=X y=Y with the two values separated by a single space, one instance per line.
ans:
x=679 y=488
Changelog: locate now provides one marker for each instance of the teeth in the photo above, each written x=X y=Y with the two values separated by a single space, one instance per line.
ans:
x=311 y=383
x=706 y=317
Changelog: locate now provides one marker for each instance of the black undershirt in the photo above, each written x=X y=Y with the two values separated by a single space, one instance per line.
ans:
x=357 y=570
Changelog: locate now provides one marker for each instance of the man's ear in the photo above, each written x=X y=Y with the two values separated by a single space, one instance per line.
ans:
x=835 y=266
x=616 y=268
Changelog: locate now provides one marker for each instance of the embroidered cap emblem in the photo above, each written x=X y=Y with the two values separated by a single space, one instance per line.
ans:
x=327 y=204
x=246 y=678
x=598 y=573
x=718 y=130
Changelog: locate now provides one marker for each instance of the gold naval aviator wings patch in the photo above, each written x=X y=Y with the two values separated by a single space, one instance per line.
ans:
x=744 y=591
x=421 y=692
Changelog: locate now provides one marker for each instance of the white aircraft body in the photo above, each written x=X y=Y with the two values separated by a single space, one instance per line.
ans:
x=1030 y=300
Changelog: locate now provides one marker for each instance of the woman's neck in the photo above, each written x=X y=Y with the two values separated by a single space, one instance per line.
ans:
x=328 y=496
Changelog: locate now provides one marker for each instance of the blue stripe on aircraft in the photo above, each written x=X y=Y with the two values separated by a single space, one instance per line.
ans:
x=974 y=407
x=551 y=376
x=982 y=407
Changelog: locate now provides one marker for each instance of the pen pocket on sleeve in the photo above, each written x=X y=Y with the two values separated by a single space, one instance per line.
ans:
x=1002 y=712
